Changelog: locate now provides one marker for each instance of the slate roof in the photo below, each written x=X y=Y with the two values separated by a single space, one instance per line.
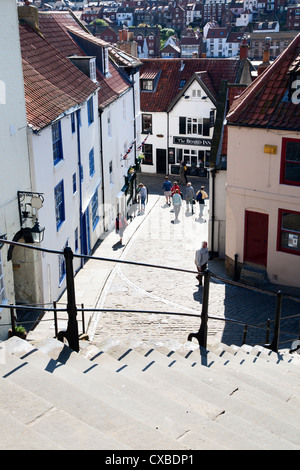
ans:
x=65 y=33
x=52 y=83
x=167 y=86
x=265 y=103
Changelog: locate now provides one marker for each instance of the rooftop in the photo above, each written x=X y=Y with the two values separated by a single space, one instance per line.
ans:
x=173 y=72
x=265 y=103
x=52 y=83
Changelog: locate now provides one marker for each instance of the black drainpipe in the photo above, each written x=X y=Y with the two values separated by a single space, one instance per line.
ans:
x=102 y=169
x=78 y=118
x=212 y=250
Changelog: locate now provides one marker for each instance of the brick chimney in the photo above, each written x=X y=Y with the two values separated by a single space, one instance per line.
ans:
x=30 y=15
x=244 y=48
x=266 y=57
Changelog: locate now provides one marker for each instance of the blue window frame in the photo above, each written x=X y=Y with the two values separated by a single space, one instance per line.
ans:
x=76 y=239
x=57 y=142
x=73 y=128
x=94 y=207
x=92 y=162
x=74 y=183
x=59 y=204
x=61 y=267
x=90 y=110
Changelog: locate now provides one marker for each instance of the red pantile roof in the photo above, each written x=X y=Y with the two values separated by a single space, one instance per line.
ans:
x=265 y=103
x=62 y=29
x=52 y=83
x=172 y=74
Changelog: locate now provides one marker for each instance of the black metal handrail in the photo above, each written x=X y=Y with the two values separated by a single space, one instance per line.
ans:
x=72 y=335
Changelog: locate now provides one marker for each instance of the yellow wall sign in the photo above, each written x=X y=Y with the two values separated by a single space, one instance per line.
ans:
x=270 y=149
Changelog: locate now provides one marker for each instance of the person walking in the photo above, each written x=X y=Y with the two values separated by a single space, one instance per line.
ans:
x=201 y=259
x=143 y=196
x=176 y=199
x=189 y=197
x=182 y=173
x=200 y=197
x=120 y=226
x=167 y=185
x=174 y=188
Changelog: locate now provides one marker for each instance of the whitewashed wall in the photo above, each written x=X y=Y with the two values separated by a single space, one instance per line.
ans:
x=14 y=173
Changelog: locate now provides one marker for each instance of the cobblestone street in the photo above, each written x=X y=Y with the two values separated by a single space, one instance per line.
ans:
x=160 y=241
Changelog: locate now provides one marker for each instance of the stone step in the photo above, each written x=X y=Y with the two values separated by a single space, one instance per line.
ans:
x=269 y=440
x=144 y=398
x=195 y=432
x=225 y=356
x=97 y=387
x=182 y=423
x=192 y=429
x=14 y=435
x=254 y=276
x=220 y=377
x=85 y=407
x=239 y=402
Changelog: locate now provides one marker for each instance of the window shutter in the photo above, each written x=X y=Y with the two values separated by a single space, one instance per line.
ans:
x=182 y=125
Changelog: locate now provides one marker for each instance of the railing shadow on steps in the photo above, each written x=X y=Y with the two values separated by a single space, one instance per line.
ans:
x=71 y=334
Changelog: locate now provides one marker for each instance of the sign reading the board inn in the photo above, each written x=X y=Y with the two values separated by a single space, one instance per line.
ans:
x=192 y=141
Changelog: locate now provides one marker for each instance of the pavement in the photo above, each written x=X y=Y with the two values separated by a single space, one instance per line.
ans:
x=152 y=303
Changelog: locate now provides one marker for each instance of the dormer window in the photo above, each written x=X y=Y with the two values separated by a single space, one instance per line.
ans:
x=147 y=85
x=105 y=62
x=93 y=69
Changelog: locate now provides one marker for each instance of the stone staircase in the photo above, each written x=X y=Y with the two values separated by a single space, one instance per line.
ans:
x=134 y=395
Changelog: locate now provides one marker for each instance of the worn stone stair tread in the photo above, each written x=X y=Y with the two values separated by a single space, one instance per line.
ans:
x=97 y=387
x=192 y=434
x=228 y=376
x=192 y=438
x=217 y=397
x=211 y=377
x=199 y=407
x=242 y=374
x=219 y=355
x=116 y=424
x=233 y=440
x=277 y=358
x=15 y=435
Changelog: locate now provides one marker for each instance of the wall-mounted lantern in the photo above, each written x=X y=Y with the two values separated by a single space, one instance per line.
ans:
x=29 y=203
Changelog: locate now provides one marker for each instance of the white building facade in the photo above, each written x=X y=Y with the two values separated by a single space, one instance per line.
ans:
x=13 y=153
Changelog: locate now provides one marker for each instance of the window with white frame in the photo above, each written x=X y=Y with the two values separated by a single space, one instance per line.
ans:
x=94 y=209
x=93 y=70
x=57 y=142
x=59 y=204
x=92 y=162
x=194 y=126
x=90 y=110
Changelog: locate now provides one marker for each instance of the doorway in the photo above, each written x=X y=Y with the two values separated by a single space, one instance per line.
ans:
x=161 y=164
x=256 y=238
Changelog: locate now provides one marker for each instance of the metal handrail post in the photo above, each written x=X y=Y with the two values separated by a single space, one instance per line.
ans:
x=275 y=342
x=12 y=319
x=83 y=319
x=71 y=334
x=55 y=320
x=201 y=336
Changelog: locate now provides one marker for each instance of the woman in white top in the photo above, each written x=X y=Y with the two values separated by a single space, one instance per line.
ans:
x=176 y=200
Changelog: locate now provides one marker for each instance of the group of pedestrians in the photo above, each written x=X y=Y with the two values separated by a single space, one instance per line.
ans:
x=173 y=195
x=121 y=222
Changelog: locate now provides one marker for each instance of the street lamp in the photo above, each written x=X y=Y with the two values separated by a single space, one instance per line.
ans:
x=29 y=203
x=37 y=232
